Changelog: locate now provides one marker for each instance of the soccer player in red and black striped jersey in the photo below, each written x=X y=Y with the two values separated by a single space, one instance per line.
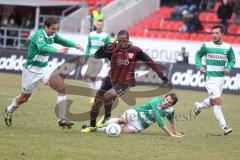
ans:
x=123 y=57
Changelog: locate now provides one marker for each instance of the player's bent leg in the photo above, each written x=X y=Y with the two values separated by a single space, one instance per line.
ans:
x=203 y=105
x=128 y=129
x=93 y=116
x=217 y=109
x=108 y=98
x=13 y=106
x=57 y=84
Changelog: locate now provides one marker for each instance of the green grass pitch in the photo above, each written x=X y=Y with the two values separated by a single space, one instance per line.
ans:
x=35 y=135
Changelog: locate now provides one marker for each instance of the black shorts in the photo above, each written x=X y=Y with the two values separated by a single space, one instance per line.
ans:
x=108 y=84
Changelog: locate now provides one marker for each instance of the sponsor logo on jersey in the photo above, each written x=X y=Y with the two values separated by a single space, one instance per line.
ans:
x=122 y=62
x=216 y=56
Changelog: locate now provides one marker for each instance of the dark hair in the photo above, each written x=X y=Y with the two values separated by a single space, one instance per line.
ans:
x=123 y=32
x=221 y=27
x=100 y=20
x=174 y=97
x=50 y=21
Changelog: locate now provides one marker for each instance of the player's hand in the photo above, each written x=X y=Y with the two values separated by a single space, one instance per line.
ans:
x=226 y=70
x=80 y=48
x=202 y=70
x=177 y=136
x=63 y=50
x=164 y=79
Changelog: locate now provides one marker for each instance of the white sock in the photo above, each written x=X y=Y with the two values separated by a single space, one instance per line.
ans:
x=62 y=106
x=13 y=106
x=113 y=120
x=205 y=104
x=98 y=85
x=219 y=115
x=92 y=86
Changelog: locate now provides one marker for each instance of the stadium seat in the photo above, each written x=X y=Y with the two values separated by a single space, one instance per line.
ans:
x=162 y=35
x=233 y=29
x=237 y=40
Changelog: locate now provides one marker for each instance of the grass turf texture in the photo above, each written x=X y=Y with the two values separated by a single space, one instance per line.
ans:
x=35 y=134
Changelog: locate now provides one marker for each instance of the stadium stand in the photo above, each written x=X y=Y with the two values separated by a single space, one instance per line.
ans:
x=160 y=25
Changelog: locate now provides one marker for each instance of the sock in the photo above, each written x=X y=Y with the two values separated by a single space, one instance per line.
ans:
x=205 y=104
x=62 y=106
x=219 y=115
x=98 y=85
x=13 y=106
x=108 y=110
x=91 y=85
x=93 y=114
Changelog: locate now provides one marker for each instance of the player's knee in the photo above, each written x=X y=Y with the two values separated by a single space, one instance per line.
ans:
x=108 y=96
x=62 y=89
x=23 y=100
x=216 y=101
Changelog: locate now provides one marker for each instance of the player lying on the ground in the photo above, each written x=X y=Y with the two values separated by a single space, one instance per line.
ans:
x=140 y=118
x=36 y=69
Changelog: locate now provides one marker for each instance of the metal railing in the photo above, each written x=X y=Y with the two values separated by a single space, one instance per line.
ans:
x=14 y=37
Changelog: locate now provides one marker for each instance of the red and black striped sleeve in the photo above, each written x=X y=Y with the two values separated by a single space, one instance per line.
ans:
x=105 y=51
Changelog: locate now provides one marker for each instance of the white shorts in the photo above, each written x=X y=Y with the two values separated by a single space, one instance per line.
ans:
x=214 y=86
x=30 y=80
x=134 y=123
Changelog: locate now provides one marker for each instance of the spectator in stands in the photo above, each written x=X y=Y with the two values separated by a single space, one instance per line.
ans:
x=207 y=5
x=191 y=22
x=236 y=12
x=28 y=22
x=95 y=16
x=17 y=19
x=183 y=7
x=12 y=32
x=224 y=13
x=183 y=56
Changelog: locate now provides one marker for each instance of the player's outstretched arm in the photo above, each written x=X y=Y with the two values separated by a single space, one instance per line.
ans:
x=104 y=51
x=174 y=130
x=169 y=133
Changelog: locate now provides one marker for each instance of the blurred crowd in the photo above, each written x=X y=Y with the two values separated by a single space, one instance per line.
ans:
x=14 y=20
x=188 y=11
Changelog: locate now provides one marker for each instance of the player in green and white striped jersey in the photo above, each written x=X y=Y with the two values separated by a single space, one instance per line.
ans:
x=95 y=67
x=219 y=61
x=140 y=118
x=36 y=69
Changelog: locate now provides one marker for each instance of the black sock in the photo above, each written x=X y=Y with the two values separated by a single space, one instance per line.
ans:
x=93 y=123
x=108 y=110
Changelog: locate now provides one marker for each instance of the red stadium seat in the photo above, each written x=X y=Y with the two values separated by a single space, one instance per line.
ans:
x=193 y=36
x=208 y=37
x=237 y=40
x=171 y=35
x=164 y=25
x=185 y=36
x=233 y=29
x=154 y=35
x=162 y=35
